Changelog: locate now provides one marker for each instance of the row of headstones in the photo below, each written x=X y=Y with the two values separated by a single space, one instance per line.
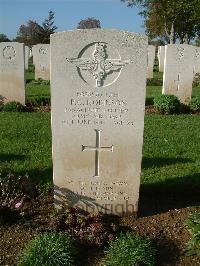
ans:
x=178 y=62
x=14 y=59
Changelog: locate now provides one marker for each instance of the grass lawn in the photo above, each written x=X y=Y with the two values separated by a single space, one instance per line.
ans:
x=170 y=155
x=25 y=141
x=33 y=90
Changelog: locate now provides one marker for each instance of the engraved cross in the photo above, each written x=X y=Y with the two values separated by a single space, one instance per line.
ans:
x=178 y=82
x=97 y=150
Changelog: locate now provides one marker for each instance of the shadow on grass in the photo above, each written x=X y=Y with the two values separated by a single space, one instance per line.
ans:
x=164 y=247
x=12 y=157
x=178 y=193
x=29 y=80
x=161 y=161
x=149 y=101
x=41 y=176
x=38 y=176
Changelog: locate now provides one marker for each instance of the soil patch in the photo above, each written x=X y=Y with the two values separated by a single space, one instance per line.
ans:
x=167 y=230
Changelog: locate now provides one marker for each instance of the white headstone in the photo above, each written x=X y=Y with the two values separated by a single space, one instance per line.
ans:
x=12 y=72
x=98 y=80
x=27 y=51
x=150 y=60
x=196 y=60
x=161 y=57
x=178 y=71
x=41 y=59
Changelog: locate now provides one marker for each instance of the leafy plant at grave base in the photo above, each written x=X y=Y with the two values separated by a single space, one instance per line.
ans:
x=49 y=249
x=14 y=107
x=193 y=223
x=16 y=192
x=38 y=101
x=1 y=102
x=8 y=216
x=196 y=80
x=40 y=82
x=130 y=249
x=149 y=101
x=167 y=104
x=195 y=104
x=154 y=82
x=91 y=229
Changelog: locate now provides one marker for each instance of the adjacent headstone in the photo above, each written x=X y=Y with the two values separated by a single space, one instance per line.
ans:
x=41 y=59
x=12 y=72
x=150 y=60
x=98 y=80
x=33 y=50
x=196 y=60
x=27 y=52
x=178 y=71
x=161 y=57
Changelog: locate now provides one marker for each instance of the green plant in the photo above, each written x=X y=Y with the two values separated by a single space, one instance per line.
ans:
x=193 y=223
x=154 y=82
x=196 y=80
x=167 y=104
x=40 y=82
x=49 y=249
x=149 y=101
x=14 y=107
x=15 y=191
x=195 y=104
x=38 y=101
x=130 y=250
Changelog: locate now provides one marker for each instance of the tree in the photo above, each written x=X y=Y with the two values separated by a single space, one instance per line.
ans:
x=33 y=33
x=3 y=38
x=89 y=23
x=170 y=19
x=28 y=34
x=47 y=28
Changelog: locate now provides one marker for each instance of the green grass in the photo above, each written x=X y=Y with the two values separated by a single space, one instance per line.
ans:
x=171 y=148
x=153 y=91
x=33 y=90
x=25 y=141
x=30 y=75
x=49 y=249
x=170 y=153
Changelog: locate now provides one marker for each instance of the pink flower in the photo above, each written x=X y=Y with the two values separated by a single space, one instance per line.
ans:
x=18 y=205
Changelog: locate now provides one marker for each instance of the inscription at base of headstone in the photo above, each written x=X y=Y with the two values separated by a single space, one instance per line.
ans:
x=178 y=71
x=150 y=60
x=98 y=80
x=41 y=60
x=12 y=72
